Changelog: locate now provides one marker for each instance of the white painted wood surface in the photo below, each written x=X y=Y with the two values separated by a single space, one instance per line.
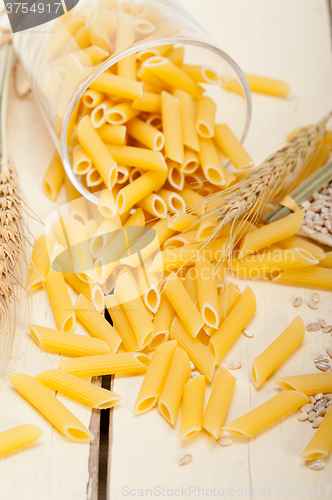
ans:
x=290 y=40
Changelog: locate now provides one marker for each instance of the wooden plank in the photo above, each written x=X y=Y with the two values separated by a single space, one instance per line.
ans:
x=291 y=41
x=54 y=468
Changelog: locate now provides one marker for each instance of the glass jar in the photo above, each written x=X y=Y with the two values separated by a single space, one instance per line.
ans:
x=59 y=72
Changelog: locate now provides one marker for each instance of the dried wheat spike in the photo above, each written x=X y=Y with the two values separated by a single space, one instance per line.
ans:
x=11 y=237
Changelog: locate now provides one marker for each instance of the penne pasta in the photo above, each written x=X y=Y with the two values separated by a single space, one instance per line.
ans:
x=176 y=55
x=123 y=174
x=183 y=305
x=206 y=113
x=172 y=128
x=175 y=203
x=219 y=401
x=155 y=377
x=200 y=355
x=294 y=242
x=67 y=344
x=181 y=222
x=40 y=260
x=228 y=298
x=106 y=204
x=211 y=164
x=207 y=292
x=134 y=308
x=139 y=189
x=121 y=113
x=201 y=74
x=54 y=177
x=97 y=151
x=273 y=356
x=321 y=443
x=231 y=147
x=162 y=322
x=125 y=37
x=96 y=324
x=106 y=364
x=267 y=413
x=172 y=392
x=81 y=162
x=261 y=84
x=313 y=276
x=99 y=114
x=271 y=233
x=50 y=407
x=138 y=157
x=18 y=437
x=115 y=134
x=149 y=102
x=327 y=260
x=80 y=390
x=233 y=325
x=192 y=407
x=195 y=203
x=187 y=111
x=92 y=98
x=172 y=75
x=310 y=384
x=146 y=134
x=117 y=86
x=60 y=301
x=154 y=205
x=121 y=324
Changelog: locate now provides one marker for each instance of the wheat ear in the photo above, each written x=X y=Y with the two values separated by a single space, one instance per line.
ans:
x=12 y=242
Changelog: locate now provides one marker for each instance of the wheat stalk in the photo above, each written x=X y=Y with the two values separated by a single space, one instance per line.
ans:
x=275 y=177
x=12 y=242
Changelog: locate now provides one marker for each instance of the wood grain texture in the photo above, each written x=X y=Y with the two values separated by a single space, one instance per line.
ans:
x=290 y=41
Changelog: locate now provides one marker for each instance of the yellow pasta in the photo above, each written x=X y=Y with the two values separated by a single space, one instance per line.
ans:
x=194 y=201
x=106 y=204
x=313 y=276
x=146 y=134
x=106 y=364
x=67 y=344
x=233 y=325
x=54 y=177
x=177 y=257
x=160 y=50
x=96 y=324
x=172 y=392
x=321 y=443
x=181 y=240
x=273 y=262
x=135 y=311
x=175 y=203
x=154 y=205
x=219 y=401
x=97 y=151
x=273 y=356
x=121 y=324
x=139 y=189
x=117 y=86
x=149 y=102
x=200 y=355
x=99 y=113
x=125 y=37
x=272 y=233
x=183 y=305
x=211 y=165
x=19 y=436
x=206 y=112
x=192 y=408
x=80 y=390
x=327 y=260
x=174 y=76
x=181 y=222
x=300 y=243
x=115 y=134
x=138 y=157
x=261 y=84
x=228 y=299
x=162 y=322
x=151 y=79
x=40 y=260
x=231 y=147
x=60 y=301
x=176 y=55
x=172 y=128
x=187 y=110
x=121 y=113
x=201 y=74
x=267 y=413
x=50 y=407
x=81 y=162
x=207 y=292
x=155 y=377
x=310 y=384
x=92 y=98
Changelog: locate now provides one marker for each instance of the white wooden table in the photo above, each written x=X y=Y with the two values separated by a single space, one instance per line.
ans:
x=281 y=38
